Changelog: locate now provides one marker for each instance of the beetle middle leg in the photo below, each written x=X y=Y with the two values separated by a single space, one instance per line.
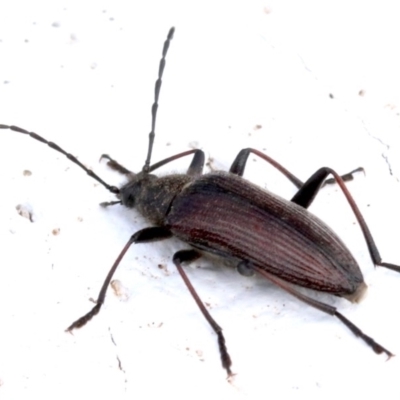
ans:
x=239 y=164
x=189 y=256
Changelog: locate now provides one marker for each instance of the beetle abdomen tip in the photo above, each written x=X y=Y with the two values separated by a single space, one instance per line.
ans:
x=358 y=295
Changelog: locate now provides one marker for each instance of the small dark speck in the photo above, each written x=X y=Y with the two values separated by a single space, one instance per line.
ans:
x=368 y=205
x=168 y=144
x=111 y=19
x=6 y=82
x=361 y=93
x=26 y=41
x=257 y=127
x=331 y=95
x=55 y=24
x=26 y=172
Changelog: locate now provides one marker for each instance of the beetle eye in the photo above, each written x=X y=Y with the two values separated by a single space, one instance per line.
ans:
x=128 y=199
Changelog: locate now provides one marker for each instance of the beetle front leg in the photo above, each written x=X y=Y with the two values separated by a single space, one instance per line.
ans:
x=196 y=166
x=305 y=196
x=189 y=256
x=116 y=166
x=143 y=236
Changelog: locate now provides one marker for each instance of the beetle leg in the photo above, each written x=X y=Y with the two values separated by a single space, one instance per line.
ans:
x=239 y=164
x=346 y=177
x=143 y=236
x=116 y=166
x=305 y=196
x=196 y=166
x=326 y=309
x=110 y=203
x=188 y=256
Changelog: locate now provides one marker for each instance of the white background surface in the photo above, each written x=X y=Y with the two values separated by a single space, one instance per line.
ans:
x=82 y=75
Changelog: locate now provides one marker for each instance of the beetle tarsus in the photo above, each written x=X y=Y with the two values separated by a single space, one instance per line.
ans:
x=110 y=203
x=225 y=357
x=345 y=177
x=85 y=319
x=378 y=349
x=189 y=256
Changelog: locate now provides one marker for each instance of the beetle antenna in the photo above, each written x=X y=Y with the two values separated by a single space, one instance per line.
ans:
x=154 y=107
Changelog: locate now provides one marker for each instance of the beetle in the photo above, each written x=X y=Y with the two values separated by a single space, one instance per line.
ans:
x=225 y=215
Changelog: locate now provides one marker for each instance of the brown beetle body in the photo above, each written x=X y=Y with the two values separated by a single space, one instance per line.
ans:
x=223 y=214
x=226 y=215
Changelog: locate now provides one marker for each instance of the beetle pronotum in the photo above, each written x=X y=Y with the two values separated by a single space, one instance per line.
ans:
x=223 y=214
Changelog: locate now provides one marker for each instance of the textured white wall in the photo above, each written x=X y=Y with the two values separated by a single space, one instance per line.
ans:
x=82 y=75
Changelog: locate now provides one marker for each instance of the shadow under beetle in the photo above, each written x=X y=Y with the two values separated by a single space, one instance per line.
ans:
x=223 y=214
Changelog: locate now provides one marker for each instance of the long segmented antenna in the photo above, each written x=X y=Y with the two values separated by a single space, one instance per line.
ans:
x=154 y=107
x=54 y=146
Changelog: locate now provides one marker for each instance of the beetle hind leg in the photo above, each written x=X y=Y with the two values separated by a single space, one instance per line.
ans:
x=189 y=256
x=326 y=308
x=305 y=196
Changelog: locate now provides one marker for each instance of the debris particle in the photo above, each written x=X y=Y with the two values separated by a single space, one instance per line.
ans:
x=119 y=289
x=25 y=211
x=55 y=231
x=26 y=172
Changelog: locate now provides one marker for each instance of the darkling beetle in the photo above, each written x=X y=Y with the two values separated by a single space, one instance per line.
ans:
x=223 y=214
